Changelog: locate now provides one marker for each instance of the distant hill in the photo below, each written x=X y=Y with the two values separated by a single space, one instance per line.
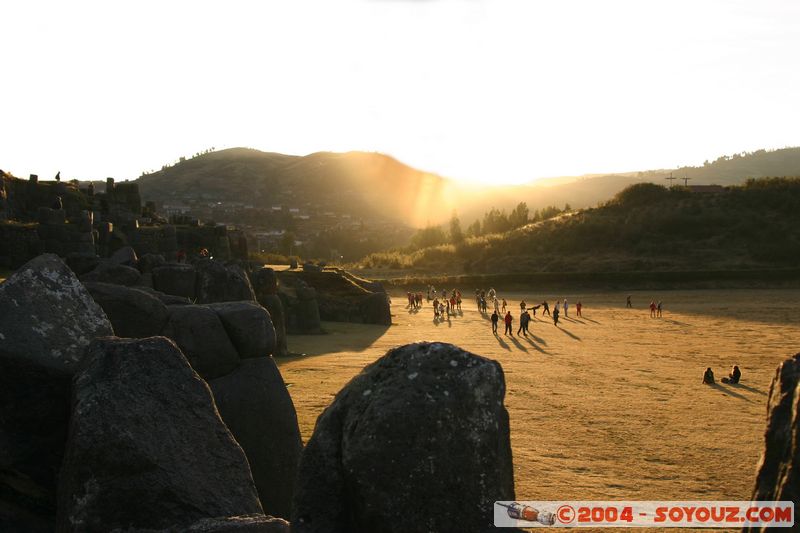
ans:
x=357 y=183
x=645 y=227
x=368 y=184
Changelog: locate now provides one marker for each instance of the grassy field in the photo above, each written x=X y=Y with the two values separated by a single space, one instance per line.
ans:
x=610 y=406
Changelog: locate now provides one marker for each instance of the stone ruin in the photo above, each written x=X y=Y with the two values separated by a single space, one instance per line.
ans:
x=62 y=218
x=126 y=409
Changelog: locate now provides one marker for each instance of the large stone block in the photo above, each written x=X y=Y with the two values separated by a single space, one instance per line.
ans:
x=146 y=446
x=249 y=327
x=255 y=405
x=419 y=440
x=201 y=336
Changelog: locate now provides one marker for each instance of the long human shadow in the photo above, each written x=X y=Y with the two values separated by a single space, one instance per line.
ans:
x=746 y=387
x=728 y=392
x=537 y=339
x=502 y=343
x=590 y=320
x=570 y=334
x=518 y=344
x=536 y=346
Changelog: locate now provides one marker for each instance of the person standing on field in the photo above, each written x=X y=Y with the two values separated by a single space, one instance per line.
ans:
x=508 y=321
x=545 y=308
x=565 y=307
x=578 y=307
x=495 y=319
x=555 y=315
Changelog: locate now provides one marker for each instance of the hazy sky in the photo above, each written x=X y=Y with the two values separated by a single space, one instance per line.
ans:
x=480 y=90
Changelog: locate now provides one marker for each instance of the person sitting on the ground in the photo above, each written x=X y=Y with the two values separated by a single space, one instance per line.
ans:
x=708 y=377
x=734 y=377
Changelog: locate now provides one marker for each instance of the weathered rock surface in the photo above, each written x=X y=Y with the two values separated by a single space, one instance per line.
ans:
x=249 y=327
x=107 y=272
x=133 y=312
x=81 y=263
x=166 y=299
x=273 y=304
x=147 y=262
x=241 y=524
x=419 y=441
x=124 y=256
x=199 y=333
x=255 y=405
x=175 y=279
x=217 y=282
x=47 y=315
x=264 y=281
x=375 y=309
x=778 y=474
x=146 y=447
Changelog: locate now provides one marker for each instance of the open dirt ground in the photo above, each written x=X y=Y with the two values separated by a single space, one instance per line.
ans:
x=605 y=407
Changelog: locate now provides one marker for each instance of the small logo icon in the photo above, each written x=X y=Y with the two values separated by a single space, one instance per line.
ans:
x=565 y=514
x=518 y=511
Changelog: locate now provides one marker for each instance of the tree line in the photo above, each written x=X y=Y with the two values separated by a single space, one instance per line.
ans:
x=494 y=221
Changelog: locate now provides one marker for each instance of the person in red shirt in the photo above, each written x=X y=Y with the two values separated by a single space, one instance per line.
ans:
x=578 y=307
x=652 y=309
x=508 y=320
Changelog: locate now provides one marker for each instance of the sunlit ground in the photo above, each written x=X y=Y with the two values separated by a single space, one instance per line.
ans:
x=610 y=406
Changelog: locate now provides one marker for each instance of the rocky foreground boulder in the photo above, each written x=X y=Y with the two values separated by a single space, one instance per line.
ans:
x=47 y=319
x=255 y=405
x=418 y=441
x=133 y=312
x=47 y=315
x=778 y=473
x=146 y=447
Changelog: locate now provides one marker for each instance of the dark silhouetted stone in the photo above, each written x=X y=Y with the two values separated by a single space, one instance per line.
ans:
x=255 y=405
x=81 y=263
x=249 y=327
x=34 y=415
x=264 y=282
x=146 y=447
x=418 y=441
x=148 y=262
x=133 y=312
x=274 y=304
x=124 y=256
x=175 y=279
x=202 y=338
x=112 y=273
x=778 y=473
x=375 y=309
x=166 y=299
x=217 y=282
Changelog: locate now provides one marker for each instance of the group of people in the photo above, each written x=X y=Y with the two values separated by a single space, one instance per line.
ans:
x=524 y=313
x=655 y=308
x=733 y=377
x=445 y=305
x=414 y=300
